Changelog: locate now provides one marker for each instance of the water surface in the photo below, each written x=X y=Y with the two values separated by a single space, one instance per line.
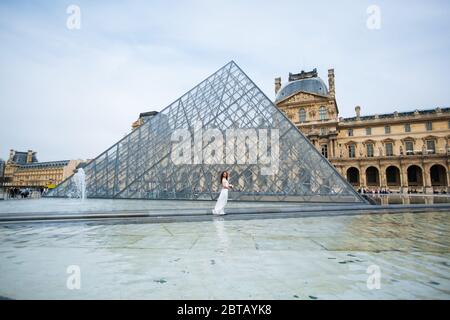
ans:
x=319 y=257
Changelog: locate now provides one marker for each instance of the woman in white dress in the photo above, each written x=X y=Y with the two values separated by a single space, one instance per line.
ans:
x=223 y=197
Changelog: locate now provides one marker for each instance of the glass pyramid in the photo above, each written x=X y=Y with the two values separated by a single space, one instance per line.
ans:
x=142 y=166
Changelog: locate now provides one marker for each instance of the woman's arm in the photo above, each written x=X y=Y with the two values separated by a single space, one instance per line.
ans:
x=226 y=185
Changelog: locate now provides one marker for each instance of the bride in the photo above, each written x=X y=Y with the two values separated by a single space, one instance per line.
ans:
x=223 y=197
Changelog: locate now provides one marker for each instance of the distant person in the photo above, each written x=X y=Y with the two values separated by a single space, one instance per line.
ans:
x=223 y=197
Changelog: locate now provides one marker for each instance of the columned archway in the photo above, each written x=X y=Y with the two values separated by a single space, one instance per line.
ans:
x=353 y=176
x=415 y=176
x=438 y=175
x=372 y=177
x=393 y=176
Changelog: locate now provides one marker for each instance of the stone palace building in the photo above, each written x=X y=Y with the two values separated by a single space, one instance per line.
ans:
x=23 y=170
x=399 y=151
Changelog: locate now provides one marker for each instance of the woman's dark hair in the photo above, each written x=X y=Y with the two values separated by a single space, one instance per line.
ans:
x=222 y=174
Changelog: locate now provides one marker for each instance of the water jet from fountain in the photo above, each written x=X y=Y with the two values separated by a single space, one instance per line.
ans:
x=80 y=183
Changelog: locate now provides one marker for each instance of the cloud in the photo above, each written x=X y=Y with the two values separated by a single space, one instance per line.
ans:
x=73 y=93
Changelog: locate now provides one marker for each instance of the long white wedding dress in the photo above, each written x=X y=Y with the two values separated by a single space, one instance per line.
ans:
x=222 y=200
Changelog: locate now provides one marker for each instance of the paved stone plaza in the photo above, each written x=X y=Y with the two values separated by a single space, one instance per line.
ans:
x=301 y=258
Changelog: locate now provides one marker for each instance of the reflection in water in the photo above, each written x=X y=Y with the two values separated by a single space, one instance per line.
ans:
x=385 y=199
x=326 y=257
x=408 y=232
x=222 y=236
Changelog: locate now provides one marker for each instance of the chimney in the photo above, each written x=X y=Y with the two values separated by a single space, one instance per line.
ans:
x=30 y=156
x=277 y=85
x=358 y=112
x=331 y=82
x=11 y=154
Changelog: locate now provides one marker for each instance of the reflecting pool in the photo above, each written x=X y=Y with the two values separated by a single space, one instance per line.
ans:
x=301 y=258
x=385 y=199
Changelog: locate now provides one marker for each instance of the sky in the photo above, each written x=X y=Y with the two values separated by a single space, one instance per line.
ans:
x=70 y=93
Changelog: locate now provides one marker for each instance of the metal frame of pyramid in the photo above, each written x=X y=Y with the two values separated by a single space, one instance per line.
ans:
x=139 y=166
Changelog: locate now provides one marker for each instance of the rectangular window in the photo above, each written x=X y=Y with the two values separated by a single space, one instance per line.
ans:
x=431 y=147
x=302 y=115
x=324 y=148
x=351 y=151
x=389 y=149
x=407 y=127
x=409 y=147
x=387 y=129
x=429 y=126
x=350 y=132
x=369 y=150
x=449 y=124
x=323 y=113
x=368 y=131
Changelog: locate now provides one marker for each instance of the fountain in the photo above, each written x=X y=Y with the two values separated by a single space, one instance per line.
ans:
x=80 y=183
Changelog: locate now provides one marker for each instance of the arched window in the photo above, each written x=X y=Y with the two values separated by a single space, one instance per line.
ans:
x=323 y=113
x=302 y=115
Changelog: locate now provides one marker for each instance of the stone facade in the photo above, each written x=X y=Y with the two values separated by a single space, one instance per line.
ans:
x=400 y=151
x=22 y=169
